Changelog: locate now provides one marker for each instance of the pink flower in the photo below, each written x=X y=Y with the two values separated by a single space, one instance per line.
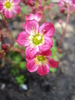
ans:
x=37 y=16
x=36 y=38
x=40 y=62
x=40 y=1
x=64 y=5
x=73 y=3
x=28 y=2
x=1 y=5
x=10 y=7
x=63 y=2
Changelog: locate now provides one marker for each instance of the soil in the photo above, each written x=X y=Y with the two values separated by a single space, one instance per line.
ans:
x=54 y=86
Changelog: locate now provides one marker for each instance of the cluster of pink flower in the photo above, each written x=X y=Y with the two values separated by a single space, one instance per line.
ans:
x=9 y=7
x=65 y=4
x=38 y=41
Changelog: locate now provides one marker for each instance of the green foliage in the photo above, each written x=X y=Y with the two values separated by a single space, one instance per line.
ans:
x=53 y=70
x=54 y=50
x=22 y=65
x=17 y=59
x=20 y=79
x=18 y=46
x=14 y=71
x=3 y=62
x=47 y=2
x=25 y=9
x=55 y=55
x=42 y=2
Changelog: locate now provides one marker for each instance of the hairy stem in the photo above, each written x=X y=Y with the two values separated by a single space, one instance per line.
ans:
x=64 y=30
x=8 y=27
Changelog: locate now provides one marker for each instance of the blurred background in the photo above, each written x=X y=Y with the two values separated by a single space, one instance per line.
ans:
x=16 y=83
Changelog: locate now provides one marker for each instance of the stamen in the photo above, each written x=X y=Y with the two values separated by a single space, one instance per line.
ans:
x=7 y=5
x=41 y=58
x=37 y=39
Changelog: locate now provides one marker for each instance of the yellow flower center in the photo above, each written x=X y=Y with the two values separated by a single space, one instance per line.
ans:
x=40 y=59
x=37 y=39
x=8 y=5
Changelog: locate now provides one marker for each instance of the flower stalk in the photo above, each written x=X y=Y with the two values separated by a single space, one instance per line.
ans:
x=7 y=59
x=8 y=27
x=63 y=32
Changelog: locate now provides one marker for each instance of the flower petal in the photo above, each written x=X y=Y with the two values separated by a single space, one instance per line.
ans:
x=1 y=5
x=8 y=13
x=22 y=39
x=16 y=2
x=46 y=53
x=23 y=25
x=29 y=17
x=47 y=29
x=53 y=63
x=16 y=9
x=48 y=43
x=30 y=53
x=31 y=66
x=31 y=26
x=43 y=70
x=38 y=16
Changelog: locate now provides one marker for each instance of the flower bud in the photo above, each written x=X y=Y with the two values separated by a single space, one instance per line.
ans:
x=60 y=21
x=5 y=47
x=62 y=10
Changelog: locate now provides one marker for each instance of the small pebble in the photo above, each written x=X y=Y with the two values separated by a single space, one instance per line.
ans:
x=24 y=87
x=3 y=86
